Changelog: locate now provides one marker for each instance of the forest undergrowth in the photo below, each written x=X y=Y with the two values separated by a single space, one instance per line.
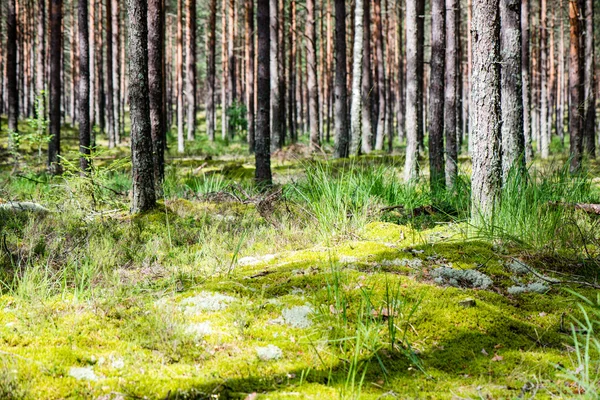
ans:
x=340 y=281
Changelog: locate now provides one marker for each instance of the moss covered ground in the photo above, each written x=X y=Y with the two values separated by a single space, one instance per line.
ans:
x=224 y=292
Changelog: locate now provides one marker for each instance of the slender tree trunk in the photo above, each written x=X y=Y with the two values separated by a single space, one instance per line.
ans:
x=101 y=93
x=262 y=145
x=11 y=67
x=144 y=195
x=179 y=73
x=282 y=78
x=311 y=63
x=292 y=107
x=328 y=78
x=116 y=39
x=544 y=139
x=274 y=65
x=378 y=37
x=84 y=85
x=250 y=72
x=560 y=120
x=55 y=85
x=41 y=54
x=231 y=64
x=513 y=141
x=436 y=95
x=414 y=86
x=357 y=77
x=589 y=87
x=190 y=73
x=92 y=43
x=400 y=93
x=485 y=95
x=224 y=72
x=342 y=136
x=526 y=78
x=367 y=82
x=109 y=77
x=451 y=91
x=211 y=70
x=156 y=38
x=575 y=90
x=421 y=75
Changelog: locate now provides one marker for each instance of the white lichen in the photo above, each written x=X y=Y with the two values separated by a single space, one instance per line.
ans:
x=297 y=317
x=206 y=301
x=468 y=278
x=269 y=353
x=403 y=262
x=83 y=373
x=200 y=329
x=535 y=287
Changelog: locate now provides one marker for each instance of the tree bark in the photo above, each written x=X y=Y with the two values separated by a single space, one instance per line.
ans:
x=144 y=195
x=381 y=90
x=544 y=138
x=485 y=95
x=414 y=88
x=292 y=106
x=367 y=82
x=231 y=64
x=357 y=78
x=250 y=72
x=262 y=145
x=84 y=85
x=274 y=65
x=342 y=136
x=526 y=78
x=156 y=40
x=311 y=63
x=55 y=85
x=11 y=67
x=116 y=17
x=179 y=73
x=451 y=91
x=211 y=70
x=190 y=73
x=589 y=87
x=109 y=77
x=513 y=141
x=575 y=89
x=436 y=96
x=41 y=54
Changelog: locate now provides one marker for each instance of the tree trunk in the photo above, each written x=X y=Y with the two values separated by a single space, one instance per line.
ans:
x=262 y=145
x=92 y=43
x=109 y=77
x=451 y=91
x=544 y=138
x=378 y=37
x=55 y=85
x=274 y=65
x=100 y=92
x=367 y=82
x=357 y=78
x=560 y=120
x=211 y=71
x=156 y=39
x=575 y=112
x=414 y=88
x=589 y=87
x=231 y=65
x=526 y=78
x=144 y=195
x=485 y=95
x=436 y=96
x=84 y=85
x=250 y=72
x=116 y=16
x=41 y=54
x=513 y=141
x=190 y=73
x=292 y=106
x=342 y=136
x=311 y=63
x=179 y=73
x=11 y=67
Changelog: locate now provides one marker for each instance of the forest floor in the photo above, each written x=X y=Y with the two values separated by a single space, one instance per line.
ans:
x=341 y=282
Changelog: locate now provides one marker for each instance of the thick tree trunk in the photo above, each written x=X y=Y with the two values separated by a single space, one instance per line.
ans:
x=55 y=85
x=367 y=82
x=144 y=195
x=84 y=85
x=357 y=77
x=156 y=40
x=485 y=96
x=526 y=77
x=190 y=72
x=451 y=82
x=436 y=95
x=575 y=89
x=179 y=79
x=109 y=77
x=250 y=72
x=11 y=67
x=414 y=88
x=311 y=63
x=342 y=136
x=513 y=141
x=589 y=87
x=262 y=145
x=211 y=70
x=378 y=37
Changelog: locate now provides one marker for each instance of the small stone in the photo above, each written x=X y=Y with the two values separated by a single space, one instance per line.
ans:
x=467 y=303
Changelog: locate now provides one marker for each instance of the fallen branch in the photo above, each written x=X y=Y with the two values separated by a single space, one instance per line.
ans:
x=586 y=207
x=25 y=206
x=555 y=281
